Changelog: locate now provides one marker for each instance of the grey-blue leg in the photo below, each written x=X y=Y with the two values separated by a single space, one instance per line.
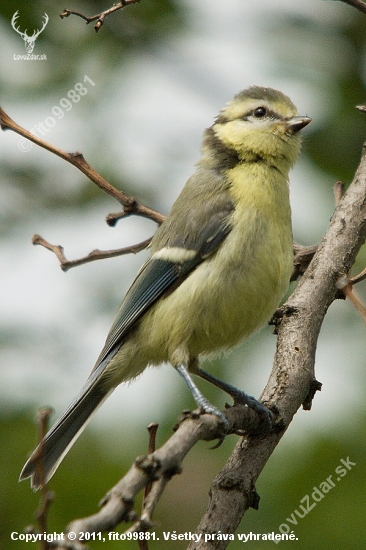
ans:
x=237 y=395
x=199 y=398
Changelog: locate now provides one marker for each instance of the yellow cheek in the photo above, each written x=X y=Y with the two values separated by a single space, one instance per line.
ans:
x=250 y=140
x=270 y=142
x=236 y=133
x=233 y=133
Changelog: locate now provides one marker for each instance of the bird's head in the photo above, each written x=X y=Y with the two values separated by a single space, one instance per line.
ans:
x=258 y=124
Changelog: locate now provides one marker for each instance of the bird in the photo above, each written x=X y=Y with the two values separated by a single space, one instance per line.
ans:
x=219 y=265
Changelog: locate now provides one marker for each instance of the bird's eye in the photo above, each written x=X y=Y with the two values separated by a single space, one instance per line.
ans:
x=260 y=112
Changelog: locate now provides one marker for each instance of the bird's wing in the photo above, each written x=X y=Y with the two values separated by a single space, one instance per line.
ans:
x=168 y=266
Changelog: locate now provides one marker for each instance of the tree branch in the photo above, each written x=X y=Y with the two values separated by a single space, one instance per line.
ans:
x=96 y=254
x=156 y=469
x=100 y=16
x=292 y=379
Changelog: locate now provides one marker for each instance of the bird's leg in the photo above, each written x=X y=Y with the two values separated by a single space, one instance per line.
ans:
x=199 y=398
x=238 y=395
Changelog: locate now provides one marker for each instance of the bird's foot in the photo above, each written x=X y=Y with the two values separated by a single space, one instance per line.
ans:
x=207 y=407
x=265 y=414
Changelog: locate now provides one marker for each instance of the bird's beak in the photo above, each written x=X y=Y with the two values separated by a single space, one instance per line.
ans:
x=297 y=123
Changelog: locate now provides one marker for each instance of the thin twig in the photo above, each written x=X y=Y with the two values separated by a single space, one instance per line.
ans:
x=130 y=205
x=144 y=522
x=43 y=416
x=96 y=254
x=346 y=286
x=152 y=429
x=100 y=16
x=47 y=496
x=358 y=278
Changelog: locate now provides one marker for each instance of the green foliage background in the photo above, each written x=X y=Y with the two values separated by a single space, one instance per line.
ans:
x=97 y=462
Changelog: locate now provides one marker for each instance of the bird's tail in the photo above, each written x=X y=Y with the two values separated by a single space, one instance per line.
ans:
x=46 y=458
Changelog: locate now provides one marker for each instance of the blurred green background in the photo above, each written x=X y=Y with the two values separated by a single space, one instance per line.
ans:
x=155 y=76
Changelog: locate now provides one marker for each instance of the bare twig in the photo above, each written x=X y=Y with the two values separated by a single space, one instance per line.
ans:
x=145 y=522
x=100 y=16
x=152 y=429
x=358 y=278
x=346 y=286
x=130 y=204
x=42 y=420
x=47 y=496
x=66 y=264
x=113 y=218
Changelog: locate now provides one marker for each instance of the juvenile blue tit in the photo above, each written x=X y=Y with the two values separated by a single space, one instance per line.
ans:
x=219 y=265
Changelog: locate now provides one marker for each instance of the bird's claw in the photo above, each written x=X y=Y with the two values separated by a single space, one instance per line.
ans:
x=258 y=407
x=208 y=408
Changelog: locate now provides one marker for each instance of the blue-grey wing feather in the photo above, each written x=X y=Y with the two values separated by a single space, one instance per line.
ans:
x=202 y=230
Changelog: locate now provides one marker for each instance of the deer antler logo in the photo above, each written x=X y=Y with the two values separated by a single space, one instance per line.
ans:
x=28 y=40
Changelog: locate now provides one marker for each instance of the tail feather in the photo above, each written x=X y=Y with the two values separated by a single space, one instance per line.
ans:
x=46 y=458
